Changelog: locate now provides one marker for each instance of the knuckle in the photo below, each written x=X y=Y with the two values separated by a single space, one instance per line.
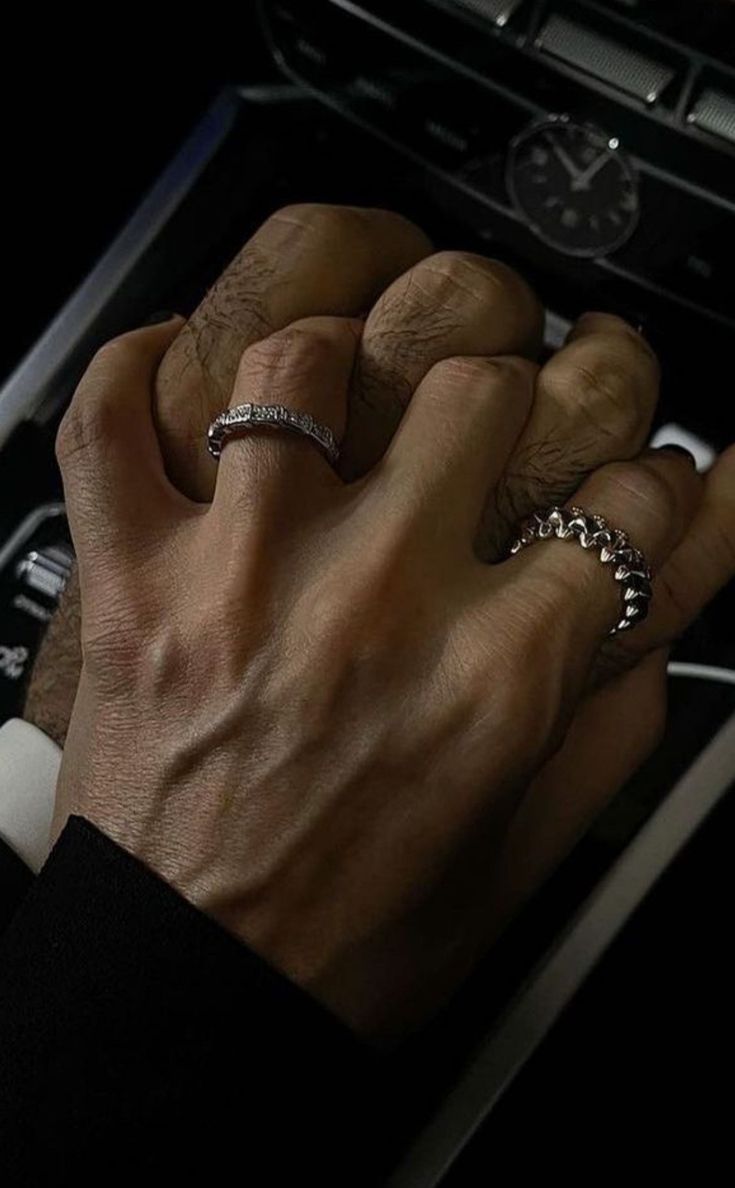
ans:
x=69 y=437
x=452 y=291
x=459 y=372
x=645 y=489
x=465 y=374
x=636 y=343
x=324 y=220
x=296 y=351
x=603 y=322
x=330 y=220
x=446 y=298
x=597 y=383
x=110 y=360
x=645 y=353
x=601 y=388
x=112 y=352
x=474 y=275
x=326 y=333
x=88 y=421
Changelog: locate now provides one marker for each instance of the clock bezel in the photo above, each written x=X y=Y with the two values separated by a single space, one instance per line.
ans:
x=551 y=123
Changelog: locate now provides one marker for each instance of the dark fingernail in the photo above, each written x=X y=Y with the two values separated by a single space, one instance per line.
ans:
x=677 y=449
x=161 y=315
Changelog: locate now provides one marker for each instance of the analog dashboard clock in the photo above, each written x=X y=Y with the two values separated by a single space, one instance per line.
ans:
x=573 y=186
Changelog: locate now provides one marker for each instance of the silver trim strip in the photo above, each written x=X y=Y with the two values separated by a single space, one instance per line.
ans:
x=26 y=528
x=563 y=971
x=703 y=672
x=431 y=51
x=556 y=329
x=27 y=386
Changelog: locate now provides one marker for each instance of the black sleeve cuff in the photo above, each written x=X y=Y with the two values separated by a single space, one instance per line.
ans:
x=132 y=1023
x=15 y=881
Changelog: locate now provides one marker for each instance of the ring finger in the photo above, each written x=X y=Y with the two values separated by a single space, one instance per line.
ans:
x=654 y=501
x=306 y=368
x=305 y=260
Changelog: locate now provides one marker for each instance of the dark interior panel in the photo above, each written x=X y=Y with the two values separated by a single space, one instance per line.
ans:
x=435 y=108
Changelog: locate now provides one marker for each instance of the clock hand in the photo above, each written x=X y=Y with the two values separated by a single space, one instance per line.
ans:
x=582 y=180
x=565 y=159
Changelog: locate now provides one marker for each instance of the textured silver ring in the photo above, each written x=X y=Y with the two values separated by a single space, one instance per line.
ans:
x=626 y=564
x=233 y=422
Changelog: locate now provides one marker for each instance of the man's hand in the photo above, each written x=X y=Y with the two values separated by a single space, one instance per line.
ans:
x=322 y=712
x=304 y=260
x=594 y=401
x=593 y=404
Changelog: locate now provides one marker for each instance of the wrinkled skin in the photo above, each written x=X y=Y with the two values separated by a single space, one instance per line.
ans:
x=592 y=404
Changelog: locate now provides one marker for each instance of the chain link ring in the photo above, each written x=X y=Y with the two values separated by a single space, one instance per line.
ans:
x=614 y=550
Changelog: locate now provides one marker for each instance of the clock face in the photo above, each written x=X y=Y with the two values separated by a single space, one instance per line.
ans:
x=573 y=187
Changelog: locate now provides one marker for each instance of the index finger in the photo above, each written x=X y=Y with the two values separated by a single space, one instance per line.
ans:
x=115 y=487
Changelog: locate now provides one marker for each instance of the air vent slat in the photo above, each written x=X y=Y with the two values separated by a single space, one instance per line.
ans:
x=613 y=63
x=714 y=112
x=497 y=11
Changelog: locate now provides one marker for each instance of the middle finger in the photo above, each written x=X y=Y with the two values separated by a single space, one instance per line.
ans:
x=450 y=304
x=305 y=260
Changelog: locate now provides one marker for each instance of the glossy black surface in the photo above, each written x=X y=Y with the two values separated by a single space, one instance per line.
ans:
x=453 y=97
x=88 y=124
x=423 y=124
x=636 y=1075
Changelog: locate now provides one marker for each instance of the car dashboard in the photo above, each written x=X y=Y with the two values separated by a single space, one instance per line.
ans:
x=468 y=116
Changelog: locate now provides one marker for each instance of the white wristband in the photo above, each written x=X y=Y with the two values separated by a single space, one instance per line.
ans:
x=29 y=769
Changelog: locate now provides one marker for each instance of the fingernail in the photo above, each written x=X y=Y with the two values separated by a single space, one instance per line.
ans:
x=161 y=315
x=677 y=449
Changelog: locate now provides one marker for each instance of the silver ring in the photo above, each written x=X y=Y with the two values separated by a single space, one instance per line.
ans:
x=627 y=565
x=234 y=421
